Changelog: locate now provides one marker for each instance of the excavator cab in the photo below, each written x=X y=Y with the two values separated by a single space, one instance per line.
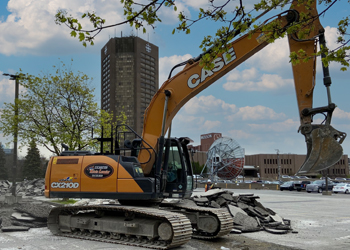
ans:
x=172 y=168
x=178 y=171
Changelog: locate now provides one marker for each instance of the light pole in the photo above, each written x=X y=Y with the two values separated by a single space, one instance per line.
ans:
x=192 y=154
x=15 y=133
x=278 y=164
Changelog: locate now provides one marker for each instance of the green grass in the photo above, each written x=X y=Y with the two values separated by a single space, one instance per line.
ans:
x=65 y=202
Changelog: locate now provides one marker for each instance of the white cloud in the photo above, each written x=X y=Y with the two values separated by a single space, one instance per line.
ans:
x=196 y=123
x=209 y=125
x=267 y=82
x=30 y=27
x=7 y=90
x=244 y=75
x=255 y=113
x=229 y=5
x=196 y=3
x=169 y=16
x=273 y=57
x=287 y=125
x=240 y=134
x=341 y=114
x=208 y=104
x=167 y=63
x=331 y=35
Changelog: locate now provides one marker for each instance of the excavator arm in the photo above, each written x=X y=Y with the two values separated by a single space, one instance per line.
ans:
x=322 y=140
x=194 y=78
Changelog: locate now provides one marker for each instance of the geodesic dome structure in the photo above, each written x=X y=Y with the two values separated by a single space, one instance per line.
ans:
x=225 y=159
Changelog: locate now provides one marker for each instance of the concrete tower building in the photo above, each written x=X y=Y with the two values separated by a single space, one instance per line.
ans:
x=129 y=77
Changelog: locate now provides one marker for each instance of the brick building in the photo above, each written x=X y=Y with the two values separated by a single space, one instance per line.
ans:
x=266 y=165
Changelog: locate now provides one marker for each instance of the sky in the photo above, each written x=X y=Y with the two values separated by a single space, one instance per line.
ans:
x=254 y=104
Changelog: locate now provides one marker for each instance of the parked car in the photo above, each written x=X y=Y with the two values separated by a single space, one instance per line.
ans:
x=301 y=185
x=289 y=185
x=285 y=176
x=340 y=179
x=319 y=186
x=342 y=188
x=294 y=177
x=277 y=182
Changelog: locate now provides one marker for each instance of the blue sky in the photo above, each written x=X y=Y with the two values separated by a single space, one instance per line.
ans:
x=254 y=104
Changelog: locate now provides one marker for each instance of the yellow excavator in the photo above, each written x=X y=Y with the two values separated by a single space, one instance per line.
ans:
x=153 y=167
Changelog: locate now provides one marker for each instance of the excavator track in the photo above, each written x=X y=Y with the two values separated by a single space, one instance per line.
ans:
x=207 y=223
x=133 y=226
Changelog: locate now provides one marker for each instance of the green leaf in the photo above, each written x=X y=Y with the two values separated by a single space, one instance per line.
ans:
x=73 y=33
x=81 y=36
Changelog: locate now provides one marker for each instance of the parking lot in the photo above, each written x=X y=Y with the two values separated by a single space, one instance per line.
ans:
x=321 y=222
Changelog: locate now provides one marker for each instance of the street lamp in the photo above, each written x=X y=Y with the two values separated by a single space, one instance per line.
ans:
x=15 y=133
x=278 y=164
x=192 y=154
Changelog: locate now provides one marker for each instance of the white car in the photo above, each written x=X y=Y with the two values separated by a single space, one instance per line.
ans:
x=342 y=188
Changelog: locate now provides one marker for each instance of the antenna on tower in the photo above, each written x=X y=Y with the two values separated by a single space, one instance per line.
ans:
x=148 y=37
x=115 y=32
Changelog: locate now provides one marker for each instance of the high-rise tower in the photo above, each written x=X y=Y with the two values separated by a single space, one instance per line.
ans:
x=129 y=77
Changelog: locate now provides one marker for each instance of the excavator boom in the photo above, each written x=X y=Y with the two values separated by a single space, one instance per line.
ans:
x=155 y=168
x=194 y=78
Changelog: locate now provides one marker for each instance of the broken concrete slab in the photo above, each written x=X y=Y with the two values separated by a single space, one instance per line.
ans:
x=22 y=216
x=249 y=224
x=248 y=214
x=14 y=229
x=234 y=210
x=34 y=187
x=276 y=218
x=10 y=199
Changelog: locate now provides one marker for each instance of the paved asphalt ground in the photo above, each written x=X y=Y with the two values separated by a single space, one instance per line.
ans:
x=322 y=222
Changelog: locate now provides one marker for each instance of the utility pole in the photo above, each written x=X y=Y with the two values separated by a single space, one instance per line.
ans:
x=15 y=132
x=278 y=164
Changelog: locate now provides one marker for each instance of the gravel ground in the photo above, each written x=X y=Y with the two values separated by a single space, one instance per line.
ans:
x=29 y=240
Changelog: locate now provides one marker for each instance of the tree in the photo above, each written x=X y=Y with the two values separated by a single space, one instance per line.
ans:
x=32 y=163
x=197 y=168
x=57 y=108
x=3 y=169
x=144 y=14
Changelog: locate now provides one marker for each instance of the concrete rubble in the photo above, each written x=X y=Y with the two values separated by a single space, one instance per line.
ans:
x=25 y=212
x=34 y=187
x=248 y=214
